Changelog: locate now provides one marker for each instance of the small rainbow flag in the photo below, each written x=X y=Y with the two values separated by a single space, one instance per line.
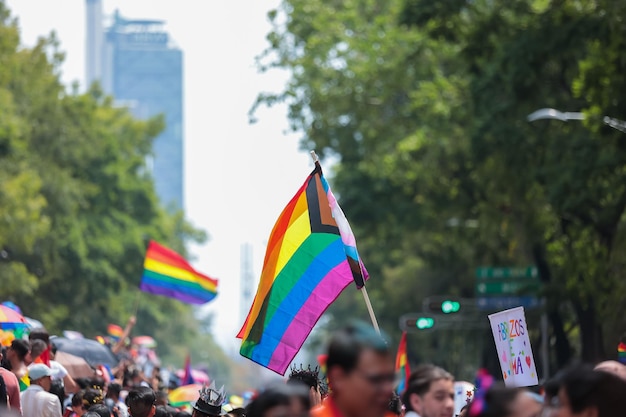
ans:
x=402 y=365
x=311 y=257
x=621 y=352
x=169 y=274
x=115 y=331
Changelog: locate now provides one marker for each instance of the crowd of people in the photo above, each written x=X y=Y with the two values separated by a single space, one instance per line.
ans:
x=360 y=381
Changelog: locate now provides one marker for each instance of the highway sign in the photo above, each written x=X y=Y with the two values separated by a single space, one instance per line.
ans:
x=507 y=287
x=490 y=272
x=503 y=303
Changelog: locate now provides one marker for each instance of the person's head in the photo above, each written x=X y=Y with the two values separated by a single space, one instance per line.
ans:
x=308 y=378
x=500 y=401
x=37 y=347
x=161 y=411
x=430 y=392
x=92 y=396
x=161 y=398
x=587 y=393
x=40 y=374
x=39 y=333
x=90 y=414
x=77 y=403
x=237 y=412
x=281 y=401
x=182 y=414
x=395 y=405
x=113 y=391
x=141 y=402
x=360 y=370
x=100 y=409
x=18 y=350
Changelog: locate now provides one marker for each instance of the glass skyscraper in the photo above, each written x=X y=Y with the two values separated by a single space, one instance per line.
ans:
x=142 y=70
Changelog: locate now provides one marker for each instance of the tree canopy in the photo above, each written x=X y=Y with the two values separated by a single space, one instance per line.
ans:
x=424 y=104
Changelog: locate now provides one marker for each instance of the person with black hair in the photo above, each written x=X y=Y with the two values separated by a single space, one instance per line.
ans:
x=281 y=401
x=587 y=392
x=11 y=386
x=100 y=409
x=161 y=411
x=141 y=402
x=500 y=401
x=16 y=357
x=310 y=379
x=360 y=370
x=113 y=396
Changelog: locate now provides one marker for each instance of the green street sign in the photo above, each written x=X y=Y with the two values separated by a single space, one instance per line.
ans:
x=489 y=272
x=507 y=287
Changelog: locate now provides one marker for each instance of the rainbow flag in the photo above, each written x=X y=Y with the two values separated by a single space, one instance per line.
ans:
x=621 y=352
x=402 y=365
x=115 y=331
x=187 y=377
x=24 y=382
x=311 y=257
x=169 y=274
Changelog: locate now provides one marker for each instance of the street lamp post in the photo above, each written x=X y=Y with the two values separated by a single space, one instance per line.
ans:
x=554 y=114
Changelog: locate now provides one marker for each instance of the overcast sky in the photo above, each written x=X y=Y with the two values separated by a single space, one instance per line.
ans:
x=238 y=177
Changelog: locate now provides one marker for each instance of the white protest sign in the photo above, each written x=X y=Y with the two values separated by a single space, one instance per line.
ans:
x=513 y=345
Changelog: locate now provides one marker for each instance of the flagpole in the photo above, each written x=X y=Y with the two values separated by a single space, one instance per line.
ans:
x=366 y=297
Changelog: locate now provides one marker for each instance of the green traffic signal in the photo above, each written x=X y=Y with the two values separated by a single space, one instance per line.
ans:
x=424 y=323
x=449 y=306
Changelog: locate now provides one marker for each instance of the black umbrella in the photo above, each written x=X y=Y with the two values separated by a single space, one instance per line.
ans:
x=92 y=351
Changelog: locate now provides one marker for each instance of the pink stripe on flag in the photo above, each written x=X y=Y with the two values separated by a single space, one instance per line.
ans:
x=303 y=322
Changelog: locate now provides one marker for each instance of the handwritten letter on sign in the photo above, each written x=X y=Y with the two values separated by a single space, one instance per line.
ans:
x=513 y=345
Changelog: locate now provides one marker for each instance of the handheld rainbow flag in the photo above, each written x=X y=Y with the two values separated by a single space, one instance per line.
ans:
x=311 y=257
x=402 y=365
x=169 y=274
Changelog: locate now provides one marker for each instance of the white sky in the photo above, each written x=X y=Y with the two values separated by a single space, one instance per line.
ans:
x=238 y=177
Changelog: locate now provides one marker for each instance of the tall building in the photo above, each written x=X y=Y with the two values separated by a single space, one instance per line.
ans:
x=135 y=61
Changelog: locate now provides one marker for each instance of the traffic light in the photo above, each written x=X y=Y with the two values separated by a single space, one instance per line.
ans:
x=413 y=322
x=449 y=306
x=445 y=305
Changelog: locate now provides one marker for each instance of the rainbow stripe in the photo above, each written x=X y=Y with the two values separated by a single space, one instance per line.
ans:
x=621 y=352
x=402 y=366
x=169 y=274
x=311 y=257
x=115 y=331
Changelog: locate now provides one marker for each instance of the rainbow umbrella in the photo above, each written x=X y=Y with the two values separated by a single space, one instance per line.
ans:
x=184 y=395
x=144 y=341
x=11 y=319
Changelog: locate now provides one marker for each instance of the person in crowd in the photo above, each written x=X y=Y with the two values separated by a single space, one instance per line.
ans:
x=92 y=396
x=36 y=400
x=237 y=412
x=161 y=411
x=113 y=396
x=77 y=408
x=60 y=373
x=16 y=357
x=360 y=370
x=141 y=402
x=101 y=410
x=584 y=391
x=309 y=378
x=37 y=349
x=429 y=392
x=162 y=400
x=12 y=387
x=210 y=402
x=291 y=400
x=56 y=388
x=500 y=401
x=181 y=414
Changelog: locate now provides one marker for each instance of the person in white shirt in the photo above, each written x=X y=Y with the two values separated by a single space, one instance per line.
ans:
x=36 y=400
